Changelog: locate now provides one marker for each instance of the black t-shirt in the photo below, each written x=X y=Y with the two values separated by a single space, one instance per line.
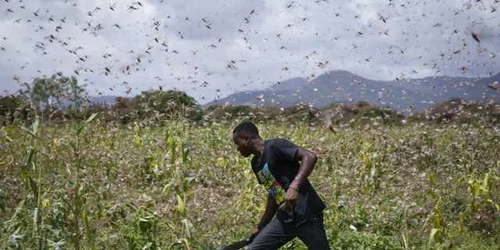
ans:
x=276 y=172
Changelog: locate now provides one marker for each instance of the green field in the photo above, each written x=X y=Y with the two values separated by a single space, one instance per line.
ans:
x=184 y=186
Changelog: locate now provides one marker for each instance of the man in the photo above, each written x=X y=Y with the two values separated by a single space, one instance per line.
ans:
x=283 y=167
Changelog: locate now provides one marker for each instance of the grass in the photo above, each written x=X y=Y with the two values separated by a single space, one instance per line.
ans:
x=93 y=185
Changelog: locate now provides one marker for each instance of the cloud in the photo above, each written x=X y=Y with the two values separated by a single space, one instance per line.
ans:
x=215 y=48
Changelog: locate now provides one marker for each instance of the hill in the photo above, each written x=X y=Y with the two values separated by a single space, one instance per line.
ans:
x=345 y=87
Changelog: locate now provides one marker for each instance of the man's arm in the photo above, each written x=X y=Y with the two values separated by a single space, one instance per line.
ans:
x=307 y=161
x=271 y=208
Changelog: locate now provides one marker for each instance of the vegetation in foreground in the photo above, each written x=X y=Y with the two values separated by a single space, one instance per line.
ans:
x=158 y=172
x=97 y=185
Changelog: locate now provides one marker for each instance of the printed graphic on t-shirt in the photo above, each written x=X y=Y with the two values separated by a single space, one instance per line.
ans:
x=273 y=186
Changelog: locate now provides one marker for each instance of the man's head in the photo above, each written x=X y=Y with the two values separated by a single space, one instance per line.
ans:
x=243 y=135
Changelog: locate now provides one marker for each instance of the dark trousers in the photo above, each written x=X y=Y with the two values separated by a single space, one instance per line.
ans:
x=276 y=234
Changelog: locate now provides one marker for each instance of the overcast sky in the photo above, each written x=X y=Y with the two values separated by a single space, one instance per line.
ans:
x=214 y=48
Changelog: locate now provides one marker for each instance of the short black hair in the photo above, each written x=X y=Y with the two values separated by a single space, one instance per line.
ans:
x=246 y=128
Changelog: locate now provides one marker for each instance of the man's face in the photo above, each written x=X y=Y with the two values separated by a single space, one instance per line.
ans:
x=242 y=144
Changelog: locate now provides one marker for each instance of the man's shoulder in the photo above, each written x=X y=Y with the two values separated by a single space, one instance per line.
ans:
x=277 y=141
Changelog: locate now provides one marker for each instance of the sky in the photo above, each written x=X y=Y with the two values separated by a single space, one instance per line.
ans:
x=211 y=49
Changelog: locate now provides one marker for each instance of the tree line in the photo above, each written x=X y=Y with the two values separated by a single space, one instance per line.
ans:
x=59 y=98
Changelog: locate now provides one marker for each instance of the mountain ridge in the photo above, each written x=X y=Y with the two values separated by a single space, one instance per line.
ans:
x=340 y=86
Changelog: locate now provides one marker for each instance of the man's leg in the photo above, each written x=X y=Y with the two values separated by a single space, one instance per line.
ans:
x=313 y=234
x=272 y=236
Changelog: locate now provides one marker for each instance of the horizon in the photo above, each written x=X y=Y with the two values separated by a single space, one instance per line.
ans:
x=204 y=102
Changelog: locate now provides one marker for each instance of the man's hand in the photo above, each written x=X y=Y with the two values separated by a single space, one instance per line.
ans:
x=291 y=197
x=255 y=231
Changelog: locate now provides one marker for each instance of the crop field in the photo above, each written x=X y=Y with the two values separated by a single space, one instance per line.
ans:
x=94 y=185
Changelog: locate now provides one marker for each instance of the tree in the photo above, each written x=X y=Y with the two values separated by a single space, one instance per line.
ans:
x=12 y=107
x=158 y=103
x=123 y=105
x=9 y=104
x=46 y=93
x=123 y=108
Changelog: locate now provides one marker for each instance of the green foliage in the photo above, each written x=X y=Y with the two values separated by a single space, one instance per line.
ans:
x=2 y=200
x=9 y=104
x=365 y=241
x=12 y=108
x=227 y=112
x=44 y=93
x=123 y=109
x=169 y=103
x=458 y=111
x=89 y=184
